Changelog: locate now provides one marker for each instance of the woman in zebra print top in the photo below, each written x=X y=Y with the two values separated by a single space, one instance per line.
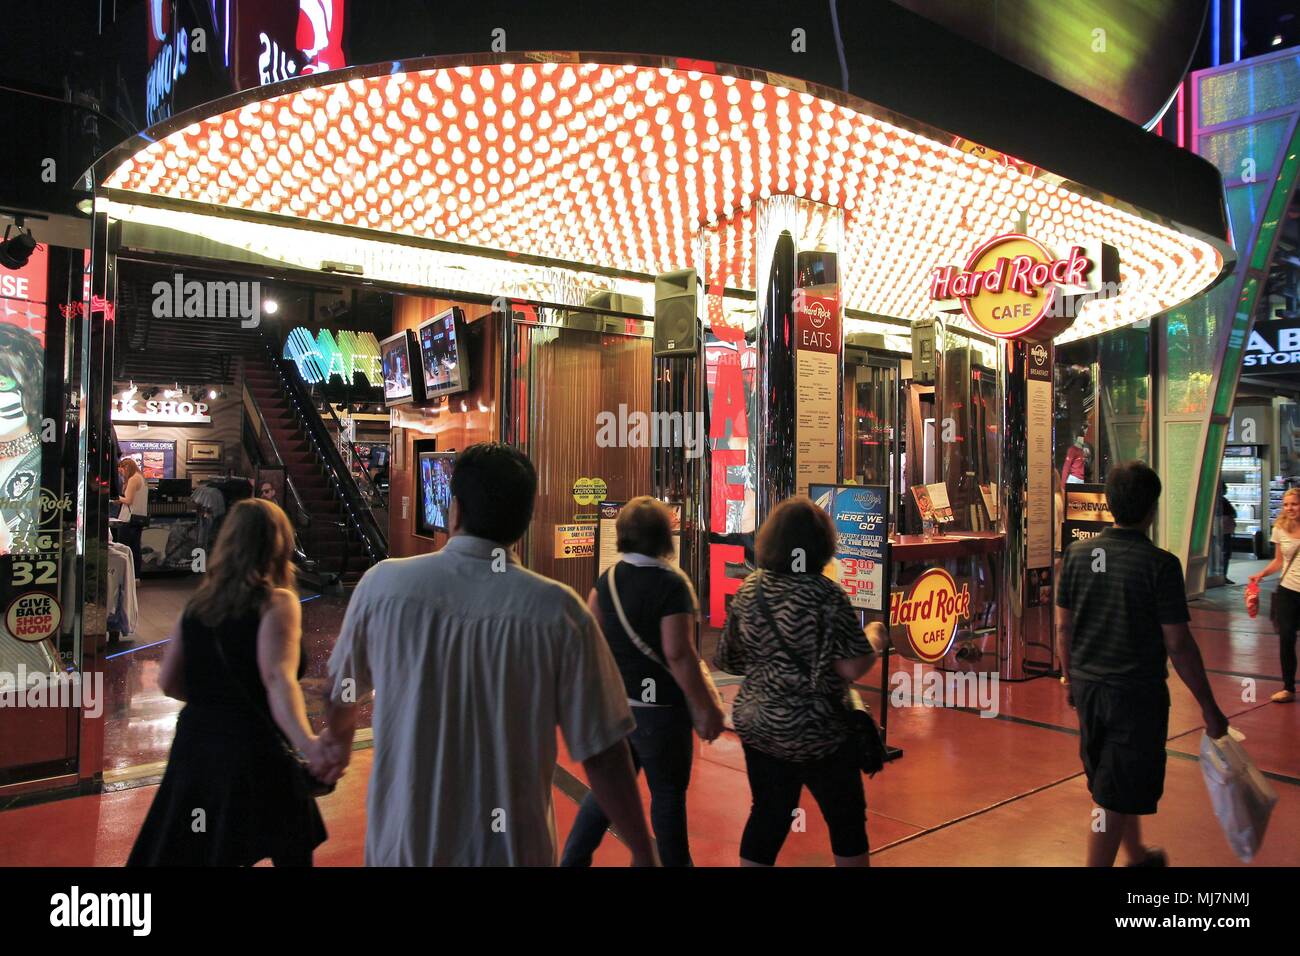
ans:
x=790 y=713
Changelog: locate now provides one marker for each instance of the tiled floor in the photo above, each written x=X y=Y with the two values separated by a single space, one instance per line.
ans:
x=968 y=791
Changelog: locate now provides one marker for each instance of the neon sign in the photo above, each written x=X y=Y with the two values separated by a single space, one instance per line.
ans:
x=324 y=355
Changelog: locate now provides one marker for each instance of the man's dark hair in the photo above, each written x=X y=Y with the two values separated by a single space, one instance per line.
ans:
x=495 y=486
x=1131 y=491
x=645 y=526
x=796 y=523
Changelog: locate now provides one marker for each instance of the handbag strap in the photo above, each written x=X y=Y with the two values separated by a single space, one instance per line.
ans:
x=1290 y=561
x=632 y=635
x=790 y=652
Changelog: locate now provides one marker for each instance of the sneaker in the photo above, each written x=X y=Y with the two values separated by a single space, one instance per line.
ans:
x=1154 y=856
x=1283 y=697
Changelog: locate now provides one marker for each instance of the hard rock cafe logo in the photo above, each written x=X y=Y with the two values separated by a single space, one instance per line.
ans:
x=52 y=506
x=1039 y=354
x=818 y=314
x=929 y=613
x=1010 y=284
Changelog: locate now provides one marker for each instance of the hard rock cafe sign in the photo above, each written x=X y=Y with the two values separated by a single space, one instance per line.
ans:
x=928 y=613
x=1013 y=286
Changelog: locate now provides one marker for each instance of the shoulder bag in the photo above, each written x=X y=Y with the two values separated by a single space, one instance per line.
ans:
x=308 y=780
x=647 y=650
x=1272 y=603
x=868 y=745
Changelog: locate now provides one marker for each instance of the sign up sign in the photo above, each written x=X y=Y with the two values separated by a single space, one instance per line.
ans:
x=1273 y=347
x=860 y=516
x=1087 y=513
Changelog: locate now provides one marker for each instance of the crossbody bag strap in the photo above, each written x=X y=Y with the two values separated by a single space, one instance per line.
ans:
x=632 y=635
x=790 y=652
x=1290 y=561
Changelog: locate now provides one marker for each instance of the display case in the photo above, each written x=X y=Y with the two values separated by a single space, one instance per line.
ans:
x=1244 y=472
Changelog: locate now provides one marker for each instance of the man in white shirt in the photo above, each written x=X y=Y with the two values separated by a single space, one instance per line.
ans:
x=475 y=661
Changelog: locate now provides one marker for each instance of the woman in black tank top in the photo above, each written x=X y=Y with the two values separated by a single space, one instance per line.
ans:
x=231 y=794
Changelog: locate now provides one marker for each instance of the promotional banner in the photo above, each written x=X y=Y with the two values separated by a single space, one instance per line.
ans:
x=817 y=363
x=157 y=459
x=1087 y=513
x=861 y=518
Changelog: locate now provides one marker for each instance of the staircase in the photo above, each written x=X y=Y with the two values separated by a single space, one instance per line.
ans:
x=330 y=539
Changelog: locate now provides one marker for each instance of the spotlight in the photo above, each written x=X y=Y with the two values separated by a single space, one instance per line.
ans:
x=1277 y=40
x=270 y=306
x=15 y=252
x=212 y=393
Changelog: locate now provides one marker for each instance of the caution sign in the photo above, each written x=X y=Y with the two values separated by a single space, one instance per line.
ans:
x=33 y=616
x=575 y=540
x=589 y=491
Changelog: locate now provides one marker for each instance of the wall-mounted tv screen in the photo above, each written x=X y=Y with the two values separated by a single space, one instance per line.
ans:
x=442 y=356
x=402 y=379
x=433 y=484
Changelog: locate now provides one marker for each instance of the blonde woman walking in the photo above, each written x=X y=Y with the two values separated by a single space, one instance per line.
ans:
x=1286 y=599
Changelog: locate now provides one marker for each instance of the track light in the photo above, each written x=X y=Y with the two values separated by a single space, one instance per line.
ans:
x=15 y=252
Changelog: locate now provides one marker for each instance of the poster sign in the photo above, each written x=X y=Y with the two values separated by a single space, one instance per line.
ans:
x=33 y=616
x=1087 y=514
x=575 y=540
x=932 y=502
x=860 y=516
x=1039 y=533
x=156 y=459
x=607 y=537
x=927 y=614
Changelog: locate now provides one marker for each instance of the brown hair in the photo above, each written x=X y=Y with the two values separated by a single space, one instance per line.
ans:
x=253 y=556
x=1285 y=524
x=796 y=525
x=645 y=526
x=129 y=466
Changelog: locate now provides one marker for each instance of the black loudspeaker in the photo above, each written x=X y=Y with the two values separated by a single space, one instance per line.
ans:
x=676 y=328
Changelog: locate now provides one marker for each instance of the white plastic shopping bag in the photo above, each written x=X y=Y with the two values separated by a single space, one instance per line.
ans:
x=1242 y=797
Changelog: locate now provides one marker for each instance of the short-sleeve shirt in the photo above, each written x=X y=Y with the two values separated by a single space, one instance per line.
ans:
x=1121 y=588
x=1287 y=545
x=649 y=594
x=781 y=710
x=474 y=662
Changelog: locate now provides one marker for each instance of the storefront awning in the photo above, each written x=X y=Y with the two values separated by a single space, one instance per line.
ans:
x=619 y=162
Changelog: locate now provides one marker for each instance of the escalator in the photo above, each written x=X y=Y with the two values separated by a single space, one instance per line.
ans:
x=338 y=532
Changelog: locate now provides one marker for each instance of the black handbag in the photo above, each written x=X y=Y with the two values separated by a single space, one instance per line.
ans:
x=302 y=770
x=864 y=732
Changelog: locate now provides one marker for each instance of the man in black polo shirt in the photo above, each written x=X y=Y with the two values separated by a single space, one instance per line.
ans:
x=1120 y=609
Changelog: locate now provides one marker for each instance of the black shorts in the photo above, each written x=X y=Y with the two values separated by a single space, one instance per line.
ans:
x=1122 y=737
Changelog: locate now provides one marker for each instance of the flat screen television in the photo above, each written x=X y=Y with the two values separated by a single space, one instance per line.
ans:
x=402 y=379
x=433 y=491
x=442 y=356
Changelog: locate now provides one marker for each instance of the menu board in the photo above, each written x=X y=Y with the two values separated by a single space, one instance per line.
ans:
x=932 y=502
x=1038 y=499
x=816 y=377
x=861 y=528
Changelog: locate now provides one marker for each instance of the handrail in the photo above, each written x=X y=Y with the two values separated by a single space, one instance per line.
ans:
x=356 y=510
x=373 y=492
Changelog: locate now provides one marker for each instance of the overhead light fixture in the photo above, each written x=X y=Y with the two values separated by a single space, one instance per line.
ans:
x=212 y=393
x=15 y=252
x=1277 y=39
x=85 y=206
x=270 y=306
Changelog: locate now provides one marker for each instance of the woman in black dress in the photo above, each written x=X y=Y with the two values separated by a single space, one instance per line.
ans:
x=232 y=795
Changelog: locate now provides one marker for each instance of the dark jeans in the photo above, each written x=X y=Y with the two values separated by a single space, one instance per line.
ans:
x=775 y=784
x=661 y=745
x=1288 y=618
x=129 y=535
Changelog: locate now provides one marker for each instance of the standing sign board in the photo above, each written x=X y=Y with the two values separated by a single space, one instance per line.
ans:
x=1087 y=514
x=860 y=516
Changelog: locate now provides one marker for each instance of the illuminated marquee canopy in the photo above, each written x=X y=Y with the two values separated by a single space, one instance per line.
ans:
x=623 y=164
